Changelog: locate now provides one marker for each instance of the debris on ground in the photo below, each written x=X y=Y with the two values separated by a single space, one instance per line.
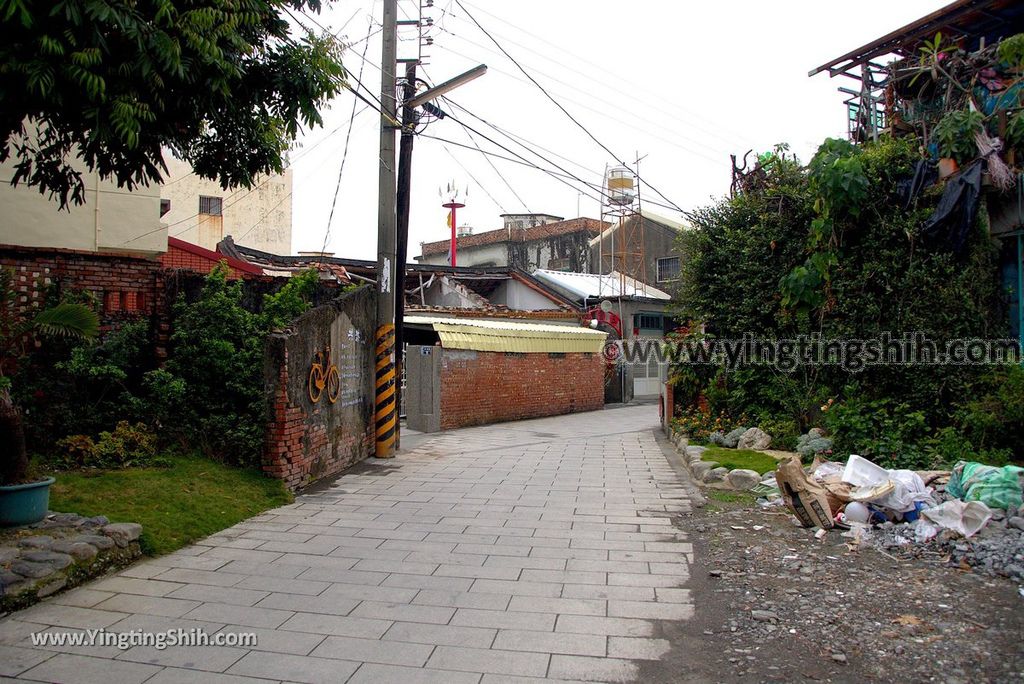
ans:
x=780 y=606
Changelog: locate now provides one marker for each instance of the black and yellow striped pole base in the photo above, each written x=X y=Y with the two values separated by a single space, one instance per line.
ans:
x=386 y=413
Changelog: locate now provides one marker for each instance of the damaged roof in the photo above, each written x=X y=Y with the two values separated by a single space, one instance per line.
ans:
x=976 y=20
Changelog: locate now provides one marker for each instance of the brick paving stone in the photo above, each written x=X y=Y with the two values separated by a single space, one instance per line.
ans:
x=488 y=660
x=499 y=554
x=293 y=668
x=440 y=635
x=76 y=669
x=591 y=669
x=371 y=673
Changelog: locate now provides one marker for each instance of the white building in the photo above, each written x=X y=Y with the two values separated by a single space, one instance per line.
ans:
x=112 y=219
x=200 y=211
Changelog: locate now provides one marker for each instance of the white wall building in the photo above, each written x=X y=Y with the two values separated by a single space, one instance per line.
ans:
x=112 y=219
x=200 y=211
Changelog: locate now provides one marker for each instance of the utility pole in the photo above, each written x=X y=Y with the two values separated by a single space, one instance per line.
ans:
x=409 y=120
x=389 y=270
x=393 y=222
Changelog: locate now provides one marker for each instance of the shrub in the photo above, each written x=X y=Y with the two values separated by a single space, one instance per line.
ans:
x=214 y=376
x=955 y=134
x=784 y=432
x=699 y=424
x=866 y=270
x=125 y=446
x=995 y=418
x=74 y=452
x=1011 y=51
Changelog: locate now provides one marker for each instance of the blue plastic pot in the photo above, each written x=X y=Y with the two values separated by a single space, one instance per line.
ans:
x=24 y=504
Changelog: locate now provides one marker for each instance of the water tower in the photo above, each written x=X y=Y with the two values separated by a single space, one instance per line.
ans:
x=620 y=182
x=621 y=248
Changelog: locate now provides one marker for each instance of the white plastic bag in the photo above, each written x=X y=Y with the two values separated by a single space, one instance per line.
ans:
x=909 y=490
x=965 y=517
x=924 y=531
x=907 y=486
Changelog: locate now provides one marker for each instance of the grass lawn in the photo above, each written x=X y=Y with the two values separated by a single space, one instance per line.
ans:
x=175 y=506
x=734 y=459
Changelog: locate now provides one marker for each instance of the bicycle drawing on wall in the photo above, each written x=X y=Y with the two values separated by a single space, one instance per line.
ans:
x=324 y=375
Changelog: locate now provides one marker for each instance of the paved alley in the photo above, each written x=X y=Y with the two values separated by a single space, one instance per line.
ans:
x=542 y=549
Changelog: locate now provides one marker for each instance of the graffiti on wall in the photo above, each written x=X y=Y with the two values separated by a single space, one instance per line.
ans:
x=323 y=374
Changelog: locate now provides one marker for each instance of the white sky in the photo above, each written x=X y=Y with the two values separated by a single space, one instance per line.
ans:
x=685 y=83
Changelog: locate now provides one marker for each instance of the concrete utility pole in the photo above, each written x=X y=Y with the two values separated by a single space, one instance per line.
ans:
x=389 y=270
x=393 y=222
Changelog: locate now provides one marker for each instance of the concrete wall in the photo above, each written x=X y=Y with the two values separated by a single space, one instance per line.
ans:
x=495 y=254
x=423 y=390
x=570 y=252
x=659 y=241
x=478 y=388
x=307 y=441
x=112 y=218
x=259 y=217
x=516 y=295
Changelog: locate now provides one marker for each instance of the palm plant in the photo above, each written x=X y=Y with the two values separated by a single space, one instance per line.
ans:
x=17 y=328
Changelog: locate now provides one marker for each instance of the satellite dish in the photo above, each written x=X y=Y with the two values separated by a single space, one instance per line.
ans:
x=606 y=306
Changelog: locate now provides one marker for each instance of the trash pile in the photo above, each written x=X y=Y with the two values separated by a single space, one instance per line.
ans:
x=974 y=514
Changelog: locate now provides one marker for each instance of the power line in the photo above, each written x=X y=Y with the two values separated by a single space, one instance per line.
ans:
x=652 y=101
x=470 y=174
x=559 y=176
x=593 y=186
x=557 y=104
x=605 y=115
x=502 y=177
x=236 y=200
x=521 y=141
x=344 y=153
x=521 y=161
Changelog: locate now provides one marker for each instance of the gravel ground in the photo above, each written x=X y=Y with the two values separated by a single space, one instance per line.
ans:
x=775 y=604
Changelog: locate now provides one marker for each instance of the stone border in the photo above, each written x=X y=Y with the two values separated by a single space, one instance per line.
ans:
x=59 y=552
x=708 y=472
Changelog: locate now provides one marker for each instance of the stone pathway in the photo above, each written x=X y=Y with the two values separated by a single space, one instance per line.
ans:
x=538 y=549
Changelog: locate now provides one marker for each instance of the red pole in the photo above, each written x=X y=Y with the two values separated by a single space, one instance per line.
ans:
x=452 y=206
x=454 y=242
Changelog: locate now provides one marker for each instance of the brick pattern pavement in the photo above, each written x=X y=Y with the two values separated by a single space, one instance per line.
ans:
x=541 y=549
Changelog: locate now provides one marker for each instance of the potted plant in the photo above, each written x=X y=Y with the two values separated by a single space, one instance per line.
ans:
x=25 y=499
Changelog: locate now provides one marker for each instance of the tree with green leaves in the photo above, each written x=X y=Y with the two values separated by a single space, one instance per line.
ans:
x=222 y=84
x=17 y=328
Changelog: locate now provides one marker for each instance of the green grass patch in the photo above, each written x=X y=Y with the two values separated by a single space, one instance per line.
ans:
x=729 y=496
x=734 y=459
x=192 y=499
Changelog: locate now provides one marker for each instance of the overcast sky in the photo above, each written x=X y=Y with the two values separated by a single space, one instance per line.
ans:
x=684 y=84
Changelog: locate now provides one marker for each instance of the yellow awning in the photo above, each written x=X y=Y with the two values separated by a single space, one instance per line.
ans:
x=496 y=335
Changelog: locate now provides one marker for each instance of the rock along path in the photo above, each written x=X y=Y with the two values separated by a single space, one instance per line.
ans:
x=542 y=549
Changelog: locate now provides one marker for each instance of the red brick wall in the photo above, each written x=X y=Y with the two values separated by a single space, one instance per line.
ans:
x=307 y=441
x=491 y=387
x=125 y=285
x=175 y=257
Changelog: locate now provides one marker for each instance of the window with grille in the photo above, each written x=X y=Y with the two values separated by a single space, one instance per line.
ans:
x=668 y=269
x=649 y=321
x=212 y=206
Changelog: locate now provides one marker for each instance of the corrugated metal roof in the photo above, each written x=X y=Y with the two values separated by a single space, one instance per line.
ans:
x=511 y=336
x=592 y=285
